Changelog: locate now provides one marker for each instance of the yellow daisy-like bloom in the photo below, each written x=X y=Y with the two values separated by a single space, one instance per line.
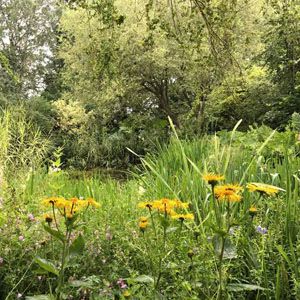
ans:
x=263 y=189
x=70 y=215
x=93 y=202
x=61 y=203
x=143 y=225
x=76 y=204
x=213 y=179
x=148 y=205
x=84 y=203
x=74 y=200
x=143 y=219
x=179 y=204
x=48 y=218
x=164 y=209
x=252 y=211
x=183 y=217
x=167 y=204
x=164 y=205
x=80 y=204
x=71 y=205
x=225 y=193
x=233 y=187
x=52 y=201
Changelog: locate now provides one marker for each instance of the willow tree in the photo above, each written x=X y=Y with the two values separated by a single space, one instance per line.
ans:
x=27 y=39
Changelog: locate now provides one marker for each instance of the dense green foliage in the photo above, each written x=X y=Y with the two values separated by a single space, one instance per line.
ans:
x=99 y=76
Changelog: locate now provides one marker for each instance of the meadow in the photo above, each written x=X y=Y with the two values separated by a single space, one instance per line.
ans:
x=209 y=218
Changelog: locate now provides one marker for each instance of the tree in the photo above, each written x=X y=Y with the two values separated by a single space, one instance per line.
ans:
x=282 y=55
x=27 y=38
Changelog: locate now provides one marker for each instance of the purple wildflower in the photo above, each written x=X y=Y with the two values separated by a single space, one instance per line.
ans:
x=261 y=230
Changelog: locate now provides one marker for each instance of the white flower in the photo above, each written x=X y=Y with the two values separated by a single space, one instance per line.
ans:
x=141 y=190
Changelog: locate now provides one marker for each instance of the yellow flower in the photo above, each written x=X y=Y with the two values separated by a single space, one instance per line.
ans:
x=252 y=211
x=143 y=225
x=227 y=193
x=213 y=179
x=164 y=205
x=48 y=218
x=70 y=215
x=263 y=189
x=143 y=219
x=61 y=203
x=145 y=205
x=168 y=204
x=163 y=201
x=183 y=217
x=233 y=187
x=74 y=200
x=52 y=201
x=93 y=203
x=82 y=204
x=179 y=204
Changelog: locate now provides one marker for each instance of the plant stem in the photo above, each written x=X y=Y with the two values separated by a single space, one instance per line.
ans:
x=63 y=261
x=164 y=247
x=216 y=207
x=220 y=291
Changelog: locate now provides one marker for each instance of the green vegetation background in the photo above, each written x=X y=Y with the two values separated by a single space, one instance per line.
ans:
x=99 y=76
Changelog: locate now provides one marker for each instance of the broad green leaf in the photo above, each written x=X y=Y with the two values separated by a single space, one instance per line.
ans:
x=144 y=279
x=81 y=284
x=54 y=233
x=77 y=246
x=39 y=297
x=171 y=229
x=229 y=248
x=40 y=271
x=46 y=265
x=239 y=287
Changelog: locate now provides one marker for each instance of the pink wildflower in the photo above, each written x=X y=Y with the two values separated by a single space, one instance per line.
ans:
x=31 y=217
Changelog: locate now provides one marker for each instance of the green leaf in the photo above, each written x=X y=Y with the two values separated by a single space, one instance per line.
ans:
x=40 y=271
x=239 y=287
x=77 y=246
x=171 y=229
x=229 y=248
x=56 y=234
x=81 y=284
x=144 y=279
x=88 y=282
x=46 y=265
x=187 y=286
x=164 y=221
x=39 y=297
